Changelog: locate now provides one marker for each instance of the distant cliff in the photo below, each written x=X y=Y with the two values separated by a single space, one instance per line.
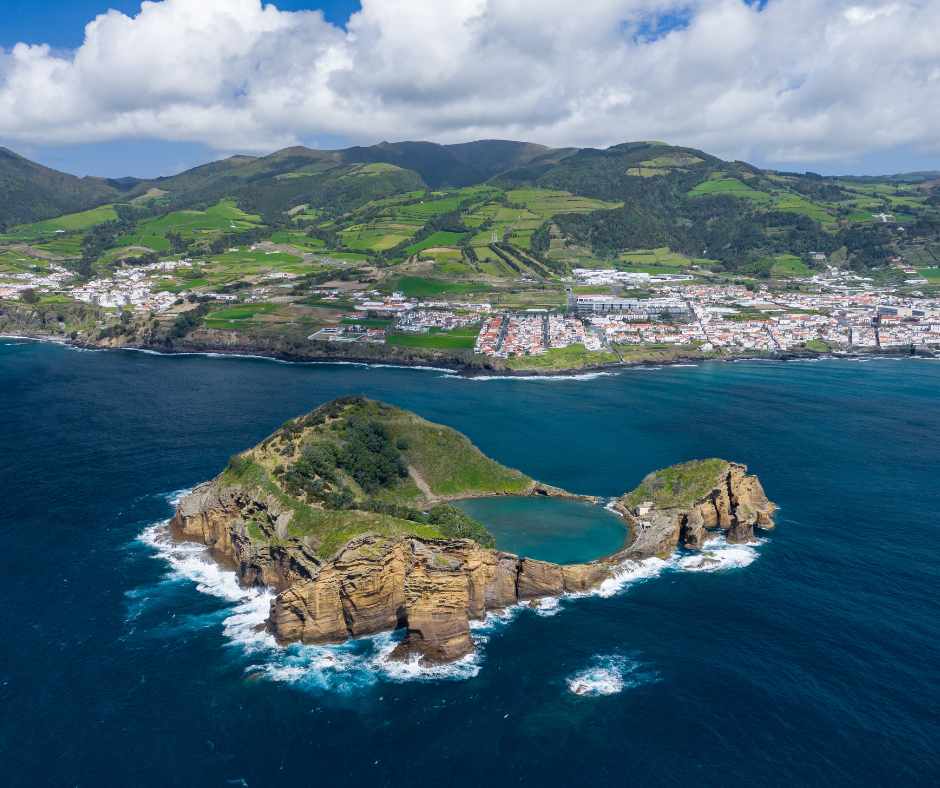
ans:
x=343 y=573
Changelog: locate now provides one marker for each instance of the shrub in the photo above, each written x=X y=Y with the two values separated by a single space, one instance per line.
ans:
x=457 y=524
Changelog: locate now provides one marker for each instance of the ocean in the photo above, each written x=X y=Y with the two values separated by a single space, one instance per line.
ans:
x=807 y=659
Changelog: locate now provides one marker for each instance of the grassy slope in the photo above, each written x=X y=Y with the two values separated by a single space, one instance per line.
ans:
x=445 y=458
x=562 y=358
x=678 y=485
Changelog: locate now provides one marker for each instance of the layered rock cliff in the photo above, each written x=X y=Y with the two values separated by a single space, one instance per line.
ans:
x=683 y=506
x=348 y=573
x=430 y=587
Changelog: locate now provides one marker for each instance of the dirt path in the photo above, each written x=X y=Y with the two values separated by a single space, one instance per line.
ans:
x=422 y=484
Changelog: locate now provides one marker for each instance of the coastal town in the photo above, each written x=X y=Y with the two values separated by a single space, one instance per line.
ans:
x=833 y=310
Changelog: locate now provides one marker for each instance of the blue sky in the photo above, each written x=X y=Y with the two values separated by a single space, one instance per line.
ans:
x=846 y=86
x=61 y=23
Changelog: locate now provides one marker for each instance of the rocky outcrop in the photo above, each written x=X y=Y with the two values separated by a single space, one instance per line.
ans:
x=547 y=491
x=734 y=505
x=431 y=588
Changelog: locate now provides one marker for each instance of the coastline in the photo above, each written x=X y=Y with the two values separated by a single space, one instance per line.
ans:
x=471 y=371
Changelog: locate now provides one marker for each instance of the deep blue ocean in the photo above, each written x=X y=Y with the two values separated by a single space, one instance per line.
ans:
x=810 y=659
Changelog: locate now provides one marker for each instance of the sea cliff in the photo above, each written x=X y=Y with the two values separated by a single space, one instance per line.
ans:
x=349 y=573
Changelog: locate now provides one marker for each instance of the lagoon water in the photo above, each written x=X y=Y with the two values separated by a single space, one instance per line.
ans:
x=809 y=659
x=549 y=529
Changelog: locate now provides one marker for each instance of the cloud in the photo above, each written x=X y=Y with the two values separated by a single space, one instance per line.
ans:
x=789 y=80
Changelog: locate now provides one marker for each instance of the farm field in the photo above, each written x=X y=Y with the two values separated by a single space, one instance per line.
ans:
x=791 y=265
x=730 y=186
x=74 y=221
x=418 y=286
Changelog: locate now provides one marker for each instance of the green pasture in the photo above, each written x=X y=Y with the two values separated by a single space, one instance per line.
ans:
x=545 y=203
x=729 y=186
x=228 y=209
x=156 y=242
x=75 y=221
x=454 y=268
x=236 y=313
x=792 y=265
x=368 y=323
x=562 y=358
x=432 y=341
x=431 y=208
x=442 y=238
x=643 y=257
x=418 y=286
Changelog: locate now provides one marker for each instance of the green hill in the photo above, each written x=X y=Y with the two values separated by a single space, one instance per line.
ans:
x=558 y=208
x=30 y=192
x=355 y=465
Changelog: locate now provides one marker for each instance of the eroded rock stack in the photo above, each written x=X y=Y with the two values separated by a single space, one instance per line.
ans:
x=734 y=505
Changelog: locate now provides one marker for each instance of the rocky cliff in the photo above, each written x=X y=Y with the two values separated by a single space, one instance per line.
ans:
x=348 y=573
x=430 y=587
x=686 y=501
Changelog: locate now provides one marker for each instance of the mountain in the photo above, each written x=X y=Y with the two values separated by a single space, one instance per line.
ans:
x=669 y=196
x=30 y=192
x=491 y=157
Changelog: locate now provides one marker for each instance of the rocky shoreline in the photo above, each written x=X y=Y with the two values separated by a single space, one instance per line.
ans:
x=462 y=369
x=432 y=587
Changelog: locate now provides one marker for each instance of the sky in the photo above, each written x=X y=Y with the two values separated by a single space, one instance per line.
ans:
x=123 y=88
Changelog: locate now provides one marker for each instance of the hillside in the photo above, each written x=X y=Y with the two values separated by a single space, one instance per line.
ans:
x=30 y=192
x=390 y=216
x=364 y=466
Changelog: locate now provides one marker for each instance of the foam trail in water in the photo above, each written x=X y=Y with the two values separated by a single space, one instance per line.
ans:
x=191 y=561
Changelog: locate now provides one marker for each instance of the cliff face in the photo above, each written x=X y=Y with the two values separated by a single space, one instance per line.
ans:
x=734 y=505
x=432 y=587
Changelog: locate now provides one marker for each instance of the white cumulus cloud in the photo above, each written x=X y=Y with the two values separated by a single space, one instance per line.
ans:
x=786 y=80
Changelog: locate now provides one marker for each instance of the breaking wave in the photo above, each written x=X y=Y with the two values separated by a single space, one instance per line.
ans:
x=609 y=675
x=537 y=378
x=363 y=662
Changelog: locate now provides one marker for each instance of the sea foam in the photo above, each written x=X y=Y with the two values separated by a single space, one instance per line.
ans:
x=363 y=662
x=608 y=675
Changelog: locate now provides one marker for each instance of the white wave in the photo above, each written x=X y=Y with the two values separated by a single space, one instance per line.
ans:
x=628 y=573
x=256 y=357
x=609 y=506
x=538 y=378
x=344 y=667
x=547 y=606
x=608 y=675
x=717 y=556
x=364 y=662
x=495 y=620
x=191 y=561
x=176 y=496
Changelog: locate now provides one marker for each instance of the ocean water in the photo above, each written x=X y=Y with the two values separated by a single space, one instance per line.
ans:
x=550 y=529
x=808 y=659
